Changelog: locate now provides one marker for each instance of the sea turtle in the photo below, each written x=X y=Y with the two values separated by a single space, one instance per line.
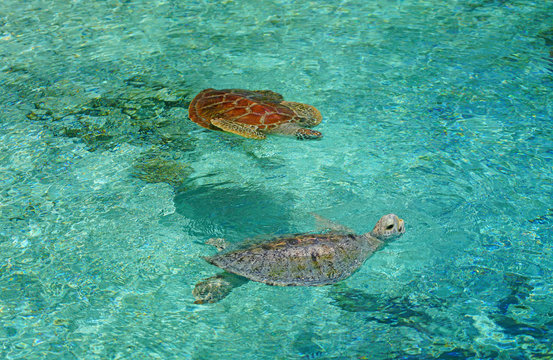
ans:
x=297 y=260
x=253 y=113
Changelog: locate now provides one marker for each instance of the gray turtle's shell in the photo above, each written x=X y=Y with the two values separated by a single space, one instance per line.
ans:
x=301 y=260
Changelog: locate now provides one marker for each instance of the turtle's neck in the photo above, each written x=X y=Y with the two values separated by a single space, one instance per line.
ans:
x=374 y=243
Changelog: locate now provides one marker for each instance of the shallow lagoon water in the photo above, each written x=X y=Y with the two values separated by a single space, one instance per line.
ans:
x=439 y=111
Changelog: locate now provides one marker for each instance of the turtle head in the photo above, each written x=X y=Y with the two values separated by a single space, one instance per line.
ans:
x=307 y=115
x=388 y=228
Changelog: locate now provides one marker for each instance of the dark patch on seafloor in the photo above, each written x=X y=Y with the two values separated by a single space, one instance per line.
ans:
x=505 y=317
x=429 y=316
x=159 y=166
x=305 y=344
x=396 y=311
x=547 y=36
x=141 y=111
x=543 y=219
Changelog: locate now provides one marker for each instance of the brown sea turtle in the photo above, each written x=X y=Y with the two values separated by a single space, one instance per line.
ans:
x=252 y=114
x=297 y=260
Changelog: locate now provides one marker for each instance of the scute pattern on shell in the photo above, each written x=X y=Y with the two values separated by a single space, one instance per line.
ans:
x=258 y=108
x=308 y=259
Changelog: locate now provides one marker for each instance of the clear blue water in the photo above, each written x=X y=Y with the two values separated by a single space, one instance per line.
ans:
x=438 y=111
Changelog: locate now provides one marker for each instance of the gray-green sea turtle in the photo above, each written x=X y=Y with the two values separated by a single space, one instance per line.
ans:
x=253 y=113
x=298 y=260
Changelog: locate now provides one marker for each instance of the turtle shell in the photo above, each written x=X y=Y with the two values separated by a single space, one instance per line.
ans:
x=301 y=260
x=260 y=108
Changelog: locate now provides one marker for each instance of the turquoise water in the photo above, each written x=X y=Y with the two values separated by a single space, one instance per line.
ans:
x=438 y=111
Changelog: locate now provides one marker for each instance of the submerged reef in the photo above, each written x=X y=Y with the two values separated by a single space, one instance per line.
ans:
x=141 y=111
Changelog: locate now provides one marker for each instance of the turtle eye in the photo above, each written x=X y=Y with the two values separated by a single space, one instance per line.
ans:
x=390 y=227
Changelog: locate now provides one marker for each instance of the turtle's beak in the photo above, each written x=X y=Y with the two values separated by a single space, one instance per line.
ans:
x=401 y=226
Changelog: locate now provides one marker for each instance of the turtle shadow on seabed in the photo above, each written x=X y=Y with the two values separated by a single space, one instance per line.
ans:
x=217 y=207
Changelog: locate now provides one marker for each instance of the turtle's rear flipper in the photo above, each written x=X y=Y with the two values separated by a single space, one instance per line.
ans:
x=217 y=287
x=308 y=134
x=219 y=243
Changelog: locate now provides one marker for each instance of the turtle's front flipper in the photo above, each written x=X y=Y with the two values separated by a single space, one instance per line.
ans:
x=327 y=224
x=239 y=129
x=217 y=287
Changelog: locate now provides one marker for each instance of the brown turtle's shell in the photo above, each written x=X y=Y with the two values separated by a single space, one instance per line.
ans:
x=261 y=108
x=299 y=260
